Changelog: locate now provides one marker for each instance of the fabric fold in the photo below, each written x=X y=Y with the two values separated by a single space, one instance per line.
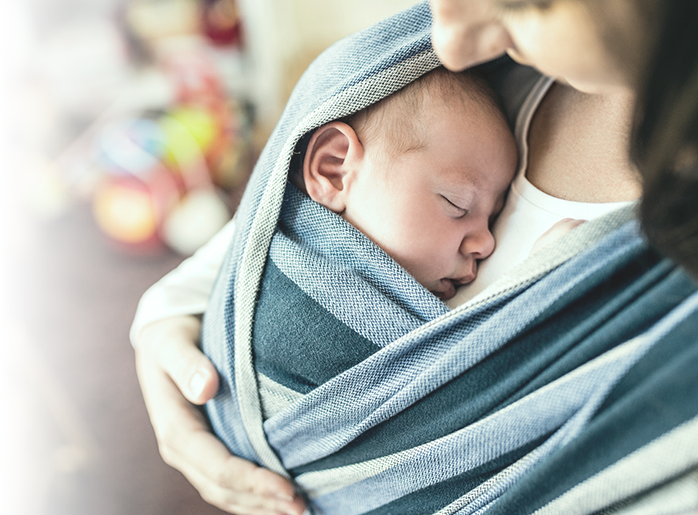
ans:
x=343 y=373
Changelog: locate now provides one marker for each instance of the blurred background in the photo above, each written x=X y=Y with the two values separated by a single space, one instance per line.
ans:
x=128 y=129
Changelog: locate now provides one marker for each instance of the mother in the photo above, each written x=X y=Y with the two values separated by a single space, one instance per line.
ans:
x=597 y=47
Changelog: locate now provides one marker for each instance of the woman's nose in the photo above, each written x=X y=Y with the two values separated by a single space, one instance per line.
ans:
x=478 y=244
x=465 y=33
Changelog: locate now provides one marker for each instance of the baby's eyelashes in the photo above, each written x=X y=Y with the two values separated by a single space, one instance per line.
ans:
x=455 y=210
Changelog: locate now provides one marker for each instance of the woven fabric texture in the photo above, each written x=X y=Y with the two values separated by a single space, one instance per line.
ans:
x=555 y=390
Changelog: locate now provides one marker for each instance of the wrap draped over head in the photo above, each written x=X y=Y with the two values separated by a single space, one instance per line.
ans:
x=569 y=386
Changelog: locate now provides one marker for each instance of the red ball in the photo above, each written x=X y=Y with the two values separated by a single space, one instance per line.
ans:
x=131 y=210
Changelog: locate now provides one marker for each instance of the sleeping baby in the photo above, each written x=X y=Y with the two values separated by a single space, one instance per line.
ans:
x=398 y=195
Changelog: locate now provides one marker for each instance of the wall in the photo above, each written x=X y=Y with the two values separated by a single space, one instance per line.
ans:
x=284 y=36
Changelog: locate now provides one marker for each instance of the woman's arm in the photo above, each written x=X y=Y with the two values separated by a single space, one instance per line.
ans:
x=170 y=367
x=174 y=375
x=185 y=290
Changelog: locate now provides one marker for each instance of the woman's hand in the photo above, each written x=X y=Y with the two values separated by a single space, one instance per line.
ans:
x=173 y=373
x=556 y=232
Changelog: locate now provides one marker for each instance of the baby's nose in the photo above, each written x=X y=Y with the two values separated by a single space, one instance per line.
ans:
x=479 y=244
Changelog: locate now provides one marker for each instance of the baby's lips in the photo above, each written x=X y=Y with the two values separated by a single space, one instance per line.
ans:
x=448 y=286
x=447 y=289
x=464 y=280
x=469 y=277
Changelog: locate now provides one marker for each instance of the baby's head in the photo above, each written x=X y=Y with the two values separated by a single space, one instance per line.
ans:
x=422 y=173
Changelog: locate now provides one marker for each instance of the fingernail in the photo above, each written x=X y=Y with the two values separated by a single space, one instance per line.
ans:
x=197 y=384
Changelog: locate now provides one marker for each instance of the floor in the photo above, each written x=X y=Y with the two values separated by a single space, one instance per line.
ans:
x=75 y=434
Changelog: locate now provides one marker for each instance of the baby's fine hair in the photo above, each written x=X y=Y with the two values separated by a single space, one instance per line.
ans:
x=399 y=117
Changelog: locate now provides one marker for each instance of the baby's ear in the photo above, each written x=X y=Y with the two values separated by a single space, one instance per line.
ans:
x=330 y=162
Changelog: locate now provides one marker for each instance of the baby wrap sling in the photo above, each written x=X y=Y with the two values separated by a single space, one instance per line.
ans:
x=570 y=386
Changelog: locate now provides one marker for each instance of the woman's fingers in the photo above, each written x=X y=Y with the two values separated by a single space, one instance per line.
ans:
x=244 y=497
x=230 y=483
x=173 y=343
x=556 y=232
x=168 y=350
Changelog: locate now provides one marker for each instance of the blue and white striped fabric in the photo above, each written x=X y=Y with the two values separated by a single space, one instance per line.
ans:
x=570 y=386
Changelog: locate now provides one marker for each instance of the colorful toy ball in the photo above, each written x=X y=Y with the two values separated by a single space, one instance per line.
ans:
x=188 y=133
x=124 y=209
x=158 y=186
x=197 y=217
x=131 y=210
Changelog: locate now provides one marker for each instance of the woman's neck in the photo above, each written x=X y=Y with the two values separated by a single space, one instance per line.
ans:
x=578 y=147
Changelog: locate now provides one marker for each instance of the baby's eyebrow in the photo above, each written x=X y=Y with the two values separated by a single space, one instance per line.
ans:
x=462 y=194
x=463 y=178
x=415 y=147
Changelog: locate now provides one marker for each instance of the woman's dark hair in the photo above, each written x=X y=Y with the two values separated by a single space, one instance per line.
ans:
x=665 y=139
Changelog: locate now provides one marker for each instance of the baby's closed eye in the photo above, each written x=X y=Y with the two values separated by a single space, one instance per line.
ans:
x=454 y=210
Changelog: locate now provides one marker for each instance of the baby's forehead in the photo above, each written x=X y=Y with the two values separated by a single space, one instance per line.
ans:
x=403 y=125
x=464 y=179
x=471 y=167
